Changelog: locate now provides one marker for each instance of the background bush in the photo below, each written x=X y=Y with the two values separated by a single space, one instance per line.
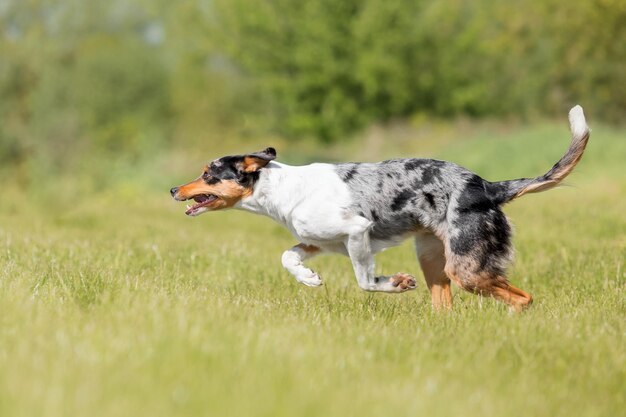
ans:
x=330 y=67
x=126 y=77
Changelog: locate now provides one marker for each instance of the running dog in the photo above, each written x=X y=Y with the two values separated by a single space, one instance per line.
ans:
x=359 y=209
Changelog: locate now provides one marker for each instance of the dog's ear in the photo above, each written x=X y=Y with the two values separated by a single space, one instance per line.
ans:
x=255 y=161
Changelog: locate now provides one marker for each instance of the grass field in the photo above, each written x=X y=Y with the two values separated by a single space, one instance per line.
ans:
x=113 y=303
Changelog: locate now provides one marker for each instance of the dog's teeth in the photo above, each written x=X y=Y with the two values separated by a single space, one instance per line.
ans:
x=188 y=207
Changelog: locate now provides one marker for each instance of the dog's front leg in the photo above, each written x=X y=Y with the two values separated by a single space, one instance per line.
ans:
x=292 y=261
x=360 y=253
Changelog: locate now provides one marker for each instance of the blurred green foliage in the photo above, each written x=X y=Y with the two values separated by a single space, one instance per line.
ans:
x=330 y=67
x=127 y=77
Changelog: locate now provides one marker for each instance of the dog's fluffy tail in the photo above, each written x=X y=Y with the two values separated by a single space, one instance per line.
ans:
x=505 y=191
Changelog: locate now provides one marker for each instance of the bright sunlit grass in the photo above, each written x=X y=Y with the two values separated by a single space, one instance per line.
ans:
x=116 y=304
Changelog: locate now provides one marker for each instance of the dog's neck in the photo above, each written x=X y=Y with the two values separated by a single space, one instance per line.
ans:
x=276 y=192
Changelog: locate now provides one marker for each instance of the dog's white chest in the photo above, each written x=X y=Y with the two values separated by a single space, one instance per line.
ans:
x=311 y=201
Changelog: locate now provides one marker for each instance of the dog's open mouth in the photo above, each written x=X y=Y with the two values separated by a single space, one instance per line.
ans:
x=202 y=200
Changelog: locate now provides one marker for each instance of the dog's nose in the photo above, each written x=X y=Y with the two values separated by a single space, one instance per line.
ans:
x=173 y=191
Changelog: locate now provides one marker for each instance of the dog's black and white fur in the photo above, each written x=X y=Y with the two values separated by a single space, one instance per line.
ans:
x=359 y=209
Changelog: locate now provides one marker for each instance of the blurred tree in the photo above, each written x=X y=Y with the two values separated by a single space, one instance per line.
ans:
x=327 y=68
x=127 y=76
x=300 y=55
x=76 y=79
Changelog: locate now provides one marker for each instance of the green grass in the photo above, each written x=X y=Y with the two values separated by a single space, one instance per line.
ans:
x=113 y=303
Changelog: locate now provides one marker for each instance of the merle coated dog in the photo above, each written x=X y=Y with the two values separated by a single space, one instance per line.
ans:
x=359 y=209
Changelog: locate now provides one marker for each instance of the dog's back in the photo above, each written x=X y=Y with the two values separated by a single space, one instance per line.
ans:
x=401 y=196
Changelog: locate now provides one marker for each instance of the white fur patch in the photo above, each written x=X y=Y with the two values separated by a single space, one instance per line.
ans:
x=578 y=124
x=310 y=200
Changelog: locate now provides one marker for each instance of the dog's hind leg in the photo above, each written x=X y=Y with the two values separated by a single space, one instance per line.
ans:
x=292 y=260
x=488 y=284
x=477 y=254
x=360 y=252
x=478 y=249
x=431 y=255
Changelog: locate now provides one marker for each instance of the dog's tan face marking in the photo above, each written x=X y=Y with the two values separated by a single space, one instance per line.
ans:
x=211 y=197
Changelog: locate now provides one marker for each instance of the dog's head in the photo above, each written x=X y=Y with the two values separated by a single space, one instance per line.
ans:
x=224 y=182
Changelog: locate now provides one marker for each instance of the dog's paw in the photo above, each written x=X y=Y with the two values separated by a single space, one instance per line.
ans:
x=402 y=281
x=310 y=280
x=397 y=283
